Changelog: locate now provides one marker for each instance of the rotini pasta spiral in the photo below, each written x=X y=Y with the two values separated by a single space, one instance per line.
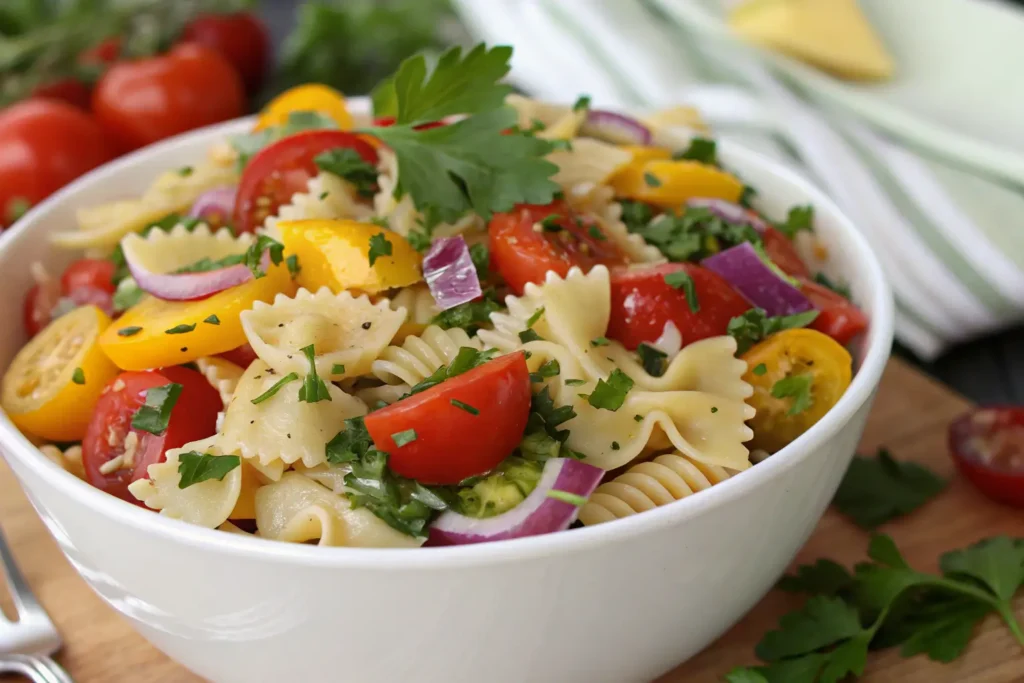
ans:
x=419 y=356
x=648 y=485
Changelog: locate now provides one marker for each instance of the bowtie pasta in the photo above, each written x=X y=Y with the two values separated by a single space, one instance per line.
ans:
x=492 y=319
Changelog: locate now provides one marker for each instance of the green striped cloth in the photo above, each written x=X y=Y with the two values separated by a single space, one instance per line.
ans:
x=947 y=238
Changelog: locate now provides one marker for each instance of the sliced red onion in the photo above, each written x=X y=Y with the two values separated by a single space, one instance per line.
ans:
x=449 y=271
x=760 y=284
x=615 y=128
x=727 y=211
x=542 y=512
x=191 y=286
x=215 y=206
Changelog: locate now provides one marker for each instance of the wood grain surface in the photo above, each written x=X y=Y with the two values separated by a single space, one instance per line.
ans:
x=910 y=417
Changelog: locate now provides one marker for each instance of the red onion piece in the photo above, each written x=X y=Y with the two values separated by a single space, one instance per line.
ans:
x=733 y=213
x=757 y=281
x=539 y=513
x=615 y=128
x=191 y=286
x=450 y=274
x=214 y=206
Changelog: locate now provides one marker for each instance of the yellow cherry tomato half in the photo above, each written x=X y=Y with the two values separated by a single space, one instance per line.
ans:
x=311 y=97
x=53 y=384
x=797 y=375
x=336 y=254
x=156 y=333
x=669 y=184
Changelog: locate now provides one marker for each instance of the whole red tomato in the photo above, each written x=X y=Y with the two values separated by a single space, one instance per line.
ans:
x=140 y=102
x=44 y=145
x=240 y=38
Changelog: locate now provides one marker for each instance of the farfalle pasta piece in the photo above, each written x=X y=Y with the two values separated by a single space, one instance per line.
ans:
x=208 y=503
x=530 y=110
x=167 y=252
x=708 y=365
x=647 y=485
x=327 y=196
x=70 y=458
x=598 y=201
x=589 y=162
x=281 y=427
x=298 y=509
x=420 y=305
x=223 y=375
x=347 y=332
x=420 y=355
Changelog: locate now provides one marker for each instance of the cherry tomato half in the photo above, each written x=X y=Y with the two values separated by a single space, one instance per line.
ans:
x=522 y=253
x=285 y=167
x=781 y=251
x=44 y=145
x=642 y=303
x=142 y=101
x=452 y=442
x=839 y=317
x=193 y=417
x=243 y=356
x=241 y=38
x=37 y=311
x=88 y=272
x=987 y=445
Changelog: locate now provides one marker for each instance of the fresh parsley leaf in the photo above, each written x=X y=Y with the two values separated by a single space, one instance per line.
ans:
x=185 y=171
x=379 y=246
x=549 y=369
x=755 y=325
x=824 y=577
x=481 y=257
x=652 y=359
x=127 y=294
x=582 y=102
x=195 y=467
x=465 y=360
x=822 y=621
x=745 y=675
x=596 y=233
x=701 y=149
x=599 y=341
x=293 y=265
x=470 y=316
x=254 y=254
x=346 y=163
x=693 y=235
x=651 y=180
x=545 y=416
x=636 y=215
x=313 y=388
x=747 y=196
x=610 y=394
x=799 y=218
x=290 y=377
x=567 y=497
x=682 y=280
x=941 y=628
x=797 y=387
x=248 y=144
x=528 y=335
x=212 y=319
x=154 y=415
x=997 y=563
x=349 y=444
x=78 y=376
x=877 y=490
x=338 y=369
x=760 y=369
x=181 y=329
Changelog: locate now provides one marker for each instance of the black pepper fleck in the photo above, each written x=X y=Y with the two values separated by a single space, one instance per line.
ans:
x=367 y=325
x=184 y=349
x=280 y=324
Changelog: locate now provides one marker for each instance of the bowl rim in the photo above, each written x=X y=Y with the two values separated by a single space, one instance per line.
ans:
x=876 y=352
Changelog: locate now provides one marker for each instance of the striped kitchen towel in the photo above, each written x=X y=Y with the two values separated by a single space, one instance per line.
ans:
x=946 y=237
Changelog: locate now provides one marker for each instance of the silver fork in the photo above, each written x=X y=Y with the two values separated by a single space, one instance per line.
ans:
x=26 y=644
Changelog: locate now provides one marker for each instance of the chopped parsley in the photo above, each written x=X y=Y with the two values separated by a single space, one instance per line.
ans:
x=404 y=437
x=638 y=418
x=760 y=369
x=293 y=265
x=254 y=255
x=652 y=359
x=575 y=382
x=470 y=316
x=797 y=387
x=154 y=415
x=248 y=144
x=529 y=335
x=599 y=341
x=466 y=359
x=596 y=233
x=693 y=235
x=290 y=377
x=464 y=406
x=128 y=331
x=566 y=497
x=702 y=150
x=535 y=317
x=313 y=388
x=379 y=246
x=582 y=102
x=337 y=369
x=682 y=280
x=545 y=416
x=714 y=410
x=206 y=264
x=185 y=171
x=78 y=376
x=127 y=294
x=799 y=218
x=195 y=467
x=610 y=394
x=481 y=257
x=181 y=329
x=550 y=223
x=651 y=180
x=755 y=325
x=346 y=163
x=615 y=445
x=547 y=370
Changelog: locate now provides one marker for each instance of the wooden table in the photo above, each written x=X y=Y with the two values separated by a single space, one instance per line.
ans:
x=910 y=418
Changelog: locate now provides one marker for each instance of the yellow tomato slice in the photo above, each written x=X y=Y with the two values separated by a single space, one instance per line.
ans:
x=40 y=391
x=335 y=254
x=669 y=184
x=154 y=333
x=787 y=370
x=644 y=153
x=310 y=97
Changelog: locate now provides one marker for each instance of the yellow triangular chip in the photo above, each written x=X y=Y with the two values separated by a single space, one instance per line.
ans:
x=832 y=35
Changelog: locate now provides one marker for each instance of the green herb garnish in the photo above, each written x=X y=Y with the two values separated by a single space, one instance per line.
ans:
x=610 y=394
x=755 y=325
x=529 y=335
x=701 y=149
x=466 y=359
x=652 y=359
x=313 y=388
x=404 y=437
x=599 y=341
x=760 y=369
x=876 y=490
x=212 y=319
x=799 y=218
x=535 y=317
x=464 y=406
x=292 y=262
x=290 y=377
x=337 y=369
x=566 y=497
x=346 y=163
x=181 y=329
x=78 y=376
x=682 y=280
x=582 y=102
x=547 y=370
x=797 y=387
x=575 y=382
x=651 y=180
x=154 y=415
x=128 y=331
x=379 y=246
x=195 y=467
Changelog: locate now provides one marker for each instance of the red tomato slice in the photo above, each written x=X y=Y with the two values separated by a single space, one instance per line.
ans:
x=452 y=443
x=88 y=272
x=642 y=303
x=522 y=254
x=243 y=356
x=839 y=318
x=38 y=307
x=193 y=417
x=780 y=249
x=285 y=167
x=988 y=447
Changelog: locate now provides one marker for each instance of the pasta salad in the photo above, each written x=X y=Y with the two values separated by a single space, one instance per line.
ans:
x=474 y=317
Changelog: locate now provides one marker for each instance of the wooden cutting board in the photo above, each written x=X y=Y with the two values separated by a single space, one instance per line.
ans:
x=910 y=418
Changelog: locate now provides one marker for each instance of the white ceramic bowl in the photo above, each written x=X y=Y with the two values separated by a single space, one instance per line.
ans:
x=624 y=601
